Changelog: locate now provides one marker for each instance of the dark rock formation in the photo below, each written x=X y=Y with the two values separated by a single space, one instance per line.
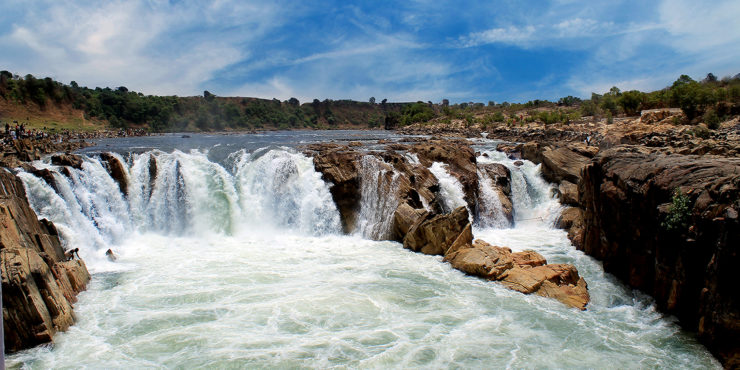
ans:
x=342 y=167
x=71 y=160
x=460 y=159
x=436 y=234
x=116 y=170
x=339 y=166
x=689 y=268
x=39 y=284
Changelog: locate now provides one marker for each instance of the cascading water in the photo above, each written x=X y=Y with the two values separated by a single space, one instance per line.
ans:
x=490 y=204
x=450 y=189
x=379 y=198
x=239 y=263
x=183 y=194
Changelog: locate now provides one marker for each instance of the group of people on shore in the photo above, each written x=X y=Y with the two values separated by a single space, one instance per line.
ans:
x=20 y=131
x=16 y=131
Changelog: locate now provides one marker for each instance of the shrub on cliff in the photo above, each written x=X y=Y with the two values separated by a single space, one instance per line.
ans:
x=678 y=212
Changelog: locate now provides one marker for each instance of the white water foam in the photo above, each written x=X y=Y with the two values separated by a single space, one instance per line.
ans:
x=278 y=297
x=378 y=198
x=450 y=189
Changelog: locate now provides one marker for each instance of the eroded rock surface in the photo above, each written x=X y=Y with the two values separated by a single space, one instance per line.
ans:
x=39 y=285
x=688 y=267
x=526 y=272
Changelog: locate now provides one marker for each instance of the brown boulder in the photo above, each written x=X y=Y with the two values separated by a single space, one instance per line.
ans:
x=481 y=259
x=525 y=272
x=116 y=170
x=568 y=192
x=435 y=235
x=562 y=164
x=404 y=218
x=528 y=258
x=559 y=281
x=71 y=160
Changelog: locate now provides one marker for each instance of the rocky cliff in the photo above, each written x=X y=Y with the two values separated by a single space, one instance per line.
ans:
x=39 y=283
x=685 y=257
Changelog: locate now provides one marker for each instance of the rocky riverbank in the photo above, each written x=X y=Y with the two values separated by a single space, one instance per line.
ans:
x=660 y=219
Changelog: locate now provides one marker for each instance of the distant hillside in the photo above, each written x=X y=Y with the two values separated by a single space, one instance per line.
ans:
x=45 y=102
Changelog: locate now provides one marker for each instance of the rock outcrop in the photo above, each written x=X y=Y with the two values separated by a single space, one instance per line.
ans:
x=343 y=167
x=435 y=234
x=39 y=284
x=71 y=160
x=459 y=158
x=116 y=170
x=526 y=272
x=687 y=263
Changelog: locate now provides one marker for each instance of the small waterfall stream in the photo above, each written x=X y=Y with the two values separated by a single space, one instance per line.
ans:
x=379 y=198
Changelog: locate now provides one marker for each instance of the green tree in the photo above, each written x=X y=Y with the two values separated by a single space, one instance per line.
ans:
x=630 y=101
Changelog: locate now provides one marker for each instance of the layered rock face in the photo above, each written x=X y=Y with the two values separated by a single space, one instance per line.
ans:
x=689 y=268
x=39 y=284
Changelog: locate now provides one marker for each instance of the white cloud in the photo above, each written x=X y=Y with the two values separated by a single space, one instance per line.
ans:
x=507 y=35
x=137 y=43
x=698 y=26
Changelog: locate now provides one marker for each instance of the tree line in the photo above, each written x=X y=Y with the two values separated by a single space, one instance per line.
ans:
x=709 y=100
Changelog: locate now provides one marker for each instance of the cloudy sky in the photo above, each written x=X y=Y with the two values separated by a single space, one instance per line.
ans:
x=501 y=50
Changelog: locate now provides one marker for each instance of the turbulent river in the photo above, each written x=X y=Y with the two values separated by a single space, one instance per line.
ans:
x=232 y=257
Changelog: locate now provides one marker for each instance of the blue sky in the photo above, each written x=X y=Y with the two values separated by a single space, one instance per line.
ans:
x=403 y=51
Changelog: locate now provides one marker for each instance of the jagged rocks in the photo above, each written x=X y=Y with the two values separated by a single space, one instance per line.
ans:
x=460 y=159
x=71 y=160
x=525 y=272
x=39 y=285
x=436 y=234
x=116 y=170
x=689 y=268
x=339 y=166
x=342 y=167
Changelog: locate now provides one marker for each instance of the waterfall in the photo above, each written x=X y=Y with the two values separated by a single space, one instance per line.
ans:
x=450 y=189
x=187 y=194
x=531 y=196
x=490 y=209
x=379 y=198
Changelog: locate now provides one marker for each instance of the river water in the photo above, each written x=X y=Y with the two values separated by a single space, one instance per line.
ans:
x=233 y=257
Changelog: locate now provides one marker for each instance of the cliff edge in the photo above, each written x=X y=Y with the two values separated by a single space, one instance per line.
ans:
x=39 y=283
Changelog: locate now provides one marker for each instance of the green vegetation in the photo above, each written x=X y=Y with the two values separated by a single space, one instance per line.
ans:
x=710 y=101
x=678 y=212
x=122 y=108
